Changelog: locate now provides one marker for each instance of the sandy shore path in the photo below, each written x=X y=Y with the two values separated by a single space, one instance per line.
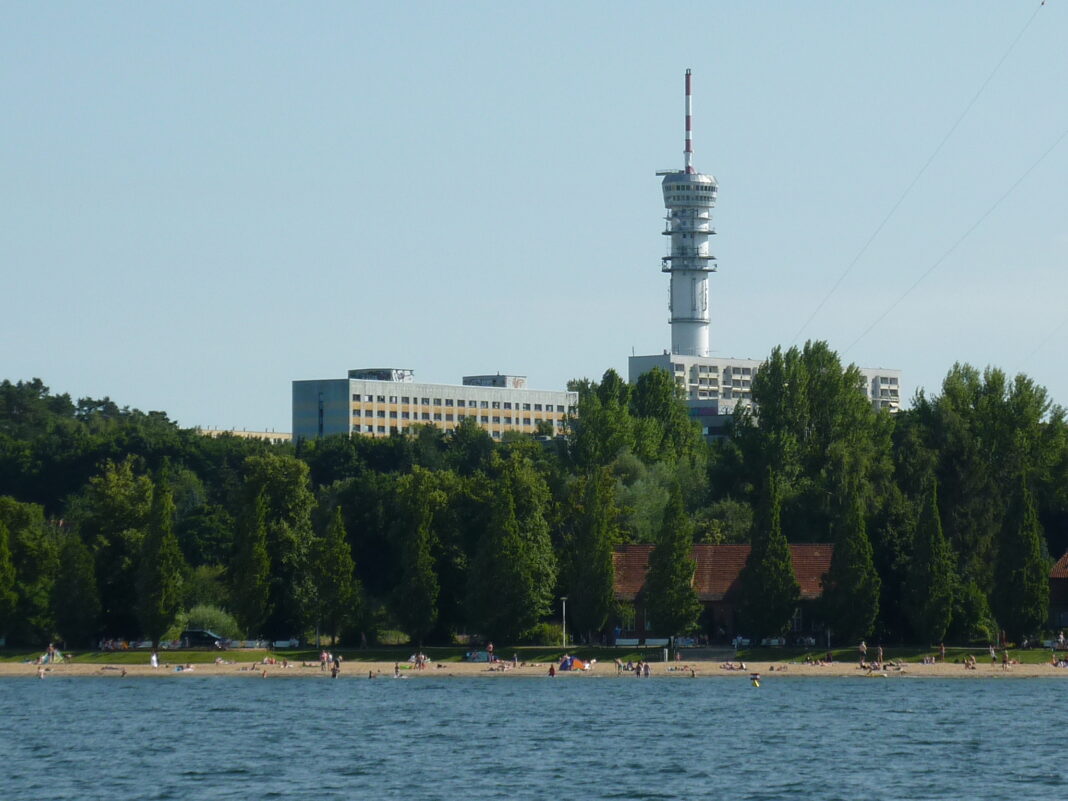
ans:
x=659 y=670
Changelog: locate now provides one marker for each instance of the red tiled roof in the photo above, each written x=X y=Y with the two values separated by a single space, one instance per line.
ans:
x=1060 y=570
x=718 y=568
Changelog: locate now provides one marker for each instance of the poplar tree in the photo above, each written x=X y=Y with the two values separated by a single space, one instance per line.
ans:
x=1021 y=576
x=75 y=598
x=669 y=593
x=591 y=574
x=931 y=581
x=336 y=587
x=514 y=569
x=8 y=596
x=159 y=578
x=851 y=586
x=415 y=599
x=769 y=588
x=250 y=572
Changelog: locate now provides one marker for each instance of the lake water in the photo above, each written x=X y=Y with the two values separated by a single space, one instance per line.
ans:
x=199 y=737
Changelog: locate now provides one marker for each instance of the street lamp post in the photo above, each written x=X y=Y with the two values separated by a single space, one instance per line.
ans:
x=563 y=619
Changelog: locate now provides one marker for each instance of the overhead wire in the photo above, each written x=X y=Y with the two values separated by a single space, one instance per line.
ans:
x=960 y=240
x=915 y=180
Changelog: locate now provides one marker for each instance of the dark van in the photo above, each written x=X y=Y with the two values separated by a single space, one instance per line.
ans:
x=202 y=638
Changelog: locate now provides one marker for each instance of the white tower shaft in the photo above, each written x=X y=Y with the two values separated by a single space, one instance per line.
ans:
x=689 y=197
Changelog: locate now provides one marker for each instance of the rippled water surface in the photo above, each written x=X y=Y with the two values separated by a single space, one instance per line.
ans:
x=195 y=737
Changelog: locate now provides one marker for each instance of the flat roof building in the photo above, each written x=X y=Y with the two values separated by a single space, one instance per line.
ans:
x=381 y=401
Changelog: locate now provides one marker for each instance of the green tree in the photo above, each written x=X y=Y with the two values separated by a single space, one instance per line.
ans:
x=250 y=572
x=8 y=597
x=288 y=502
x=594 y=532
x=811 y=421
x=603 y=427
x=513 y=573
x=160 y=573
x=769 y=588
x=664 y=430
x=35 y=559
x=851 y=586
x=415 y=599
x=336 y=587
x=931 y=583
x=111 y=515
x=75 y=600
x=669 y=593
x=1021 y=585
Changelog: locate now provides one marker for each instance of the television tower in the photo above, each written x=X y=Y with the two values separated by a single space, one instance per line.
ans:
x=689 y=197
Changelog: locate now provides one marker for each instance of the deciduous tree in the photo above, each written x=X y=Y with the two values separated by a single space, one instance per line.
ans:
x=161 y=569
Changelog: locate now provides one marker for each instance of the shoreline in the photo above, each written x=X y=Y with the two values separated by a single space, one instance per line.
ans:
x=659 y=670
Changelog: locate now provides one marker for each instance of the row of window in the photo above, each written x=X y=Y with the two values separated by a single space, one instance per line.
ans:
x=447 y=417
x=365 y=429
x=458 y=402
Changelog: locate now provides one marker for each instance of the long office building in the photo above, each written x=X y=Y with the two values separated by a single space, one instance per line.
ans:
x=378 y=402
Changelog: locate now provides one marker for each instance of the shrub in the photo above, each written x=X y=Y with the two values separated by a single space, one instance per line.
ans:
x=542 y=634
x=213 y=619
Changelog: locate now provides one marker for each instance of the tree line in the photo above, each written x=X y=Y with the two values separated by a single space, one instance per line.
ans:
x=944 y=517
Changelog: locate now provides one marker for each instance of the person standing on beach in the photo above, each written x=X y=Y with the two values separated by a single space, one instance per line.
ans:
x=863 y=648
x=942 y=652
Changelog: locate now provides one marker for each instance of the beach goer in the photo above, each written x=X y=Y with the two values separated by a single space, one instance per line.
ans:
x=154 y=660
x=863 y=648
x=396 y=670
x=993 y=655
x=879 y=655
x=647 y=671
x=941 y=652
x=552 y=671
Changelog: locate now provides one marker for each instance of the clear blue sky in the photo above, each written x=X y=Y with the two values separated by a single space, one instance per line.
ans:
x=204 y=201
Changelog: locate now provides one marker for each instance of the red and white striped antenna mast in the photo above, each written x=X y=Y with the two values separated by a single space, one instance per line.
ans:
x=688 y=149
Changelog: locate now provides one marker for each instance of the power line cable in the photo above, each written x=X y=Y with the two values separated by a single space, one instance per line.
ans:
x=1046 y=339
x=915 y=180
x=961 y=239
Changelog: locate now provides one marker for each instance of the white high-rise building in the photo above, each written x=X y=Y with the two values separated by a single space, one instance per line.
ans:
x=714 y=386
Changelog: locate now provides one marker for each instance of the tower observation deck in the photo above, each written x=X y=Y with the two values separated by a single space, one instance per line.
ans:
x=689 y=197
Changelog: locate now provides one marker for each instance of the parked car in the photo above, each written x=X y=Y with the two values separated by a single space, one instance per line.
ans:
x=202 y=638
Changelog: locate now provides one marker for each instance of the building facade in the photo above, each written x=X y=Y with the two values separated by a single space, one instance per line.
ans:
x=378 y=402
x=714 y=386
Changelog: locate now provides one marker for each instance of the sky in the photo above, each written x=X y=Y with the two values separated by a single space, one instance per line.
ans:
x=204 y=201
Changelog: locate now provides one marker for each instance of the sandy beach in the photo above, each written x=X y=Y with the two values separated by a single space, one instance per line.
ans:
x=659 y=670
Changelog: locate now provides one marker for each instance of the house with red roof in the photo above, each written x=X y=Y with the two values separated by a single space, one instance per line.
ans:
x=1058 y=593
x=717 y=585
